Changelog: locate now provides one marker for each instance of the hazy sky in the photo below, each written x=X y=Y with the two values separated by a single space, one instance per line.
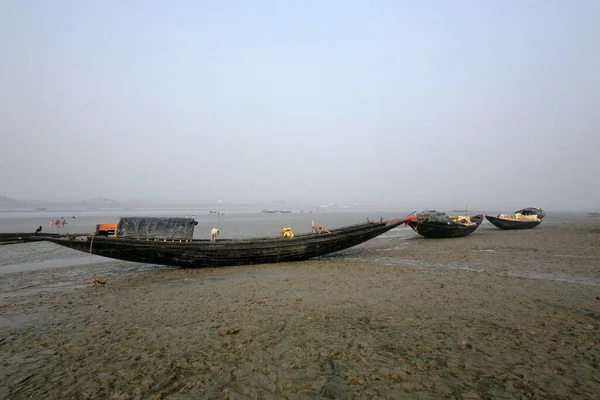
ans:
x=425 y=104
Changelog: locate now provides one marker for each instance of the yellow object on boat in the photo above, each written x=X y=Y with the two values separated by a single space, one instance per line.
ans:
x=518 y=217
x=287 y=233
x=462 y=219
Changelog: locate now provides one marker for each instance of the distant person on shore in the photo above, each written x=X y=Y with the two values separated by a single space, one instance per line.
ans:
x=57 y=223
x=73 y=220
x=51 y=224
x=38 y=230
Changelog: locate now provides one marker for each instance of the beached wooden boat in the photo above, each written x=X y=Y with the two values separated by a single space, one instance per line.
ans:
x=504 y=223
x=205 y=253
x=526 y=218
x=439 y=225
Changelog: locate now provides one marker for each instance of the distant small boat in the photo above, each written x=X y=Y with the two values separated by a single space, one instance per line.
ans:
x=464 y=210
x=526 y=218
x=41 y=208
x=285 y=211
x=438 y=225
x=212 y=212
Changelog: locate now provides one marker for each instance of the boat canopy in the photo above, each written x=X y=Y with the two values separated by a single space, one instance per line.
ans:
x=142 y=228
x=532 y=211
x=441 y=217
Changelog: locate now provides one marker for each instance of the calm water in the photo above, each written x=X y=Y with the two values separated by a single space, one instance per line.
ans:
x=232 y=223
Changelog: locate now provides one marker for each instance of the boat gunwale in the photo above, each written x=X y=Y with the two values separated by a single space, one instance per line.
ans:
x=310 y=236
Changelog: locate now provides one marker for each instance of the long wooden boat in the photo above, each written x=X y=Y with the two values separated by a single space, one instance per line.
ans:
x=526 y=218
x=440 y=228
x=226 y=252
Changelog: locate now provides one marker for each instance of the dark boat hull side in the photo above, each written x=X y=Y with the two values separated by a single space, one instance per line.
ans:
x=505 y=224
x=12 y=238
x=203 y=253
x=437 y=230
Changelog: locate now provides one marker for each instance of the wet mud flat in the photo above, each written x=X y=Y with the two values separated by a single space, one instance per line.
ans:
x=498 y=314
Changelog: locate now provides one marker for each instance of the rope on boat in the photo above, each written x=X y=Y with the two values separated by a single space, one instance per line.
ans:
x=43 y=252
x=91 y=244
x=95 y=281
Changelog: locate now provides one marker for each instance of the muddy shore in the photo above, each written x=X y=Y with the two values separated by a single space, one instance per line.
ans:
x=496 y=315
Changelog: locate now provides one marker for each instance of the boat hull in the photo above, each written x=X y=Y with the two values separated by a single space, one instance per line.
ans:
x=204 y=253
x=439 y=230
x=12 y=238
x=509 y=225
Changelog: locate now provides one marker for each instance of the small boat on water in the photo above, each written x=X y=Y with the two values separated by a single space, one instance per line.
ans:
x=41 y=208
x=463 y=211
x=169 y=241
x=438 y=225
x=526 y=218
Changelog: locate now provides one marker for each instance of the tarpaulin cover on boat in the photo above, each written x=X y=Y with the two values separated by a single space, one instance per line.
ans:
x=432 y=216
x=156 y=228
x=532 y=211
x=527 y=214
x=436 y=216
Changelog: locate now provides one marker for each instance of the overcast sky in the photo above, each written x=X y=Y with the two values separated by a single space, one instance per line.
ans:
x=426 y=104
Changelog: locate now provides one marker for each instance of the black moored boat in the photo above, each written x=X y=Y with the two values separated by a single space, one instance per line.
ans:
x=139 y=246
x=526 y=218
x=437 y=225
